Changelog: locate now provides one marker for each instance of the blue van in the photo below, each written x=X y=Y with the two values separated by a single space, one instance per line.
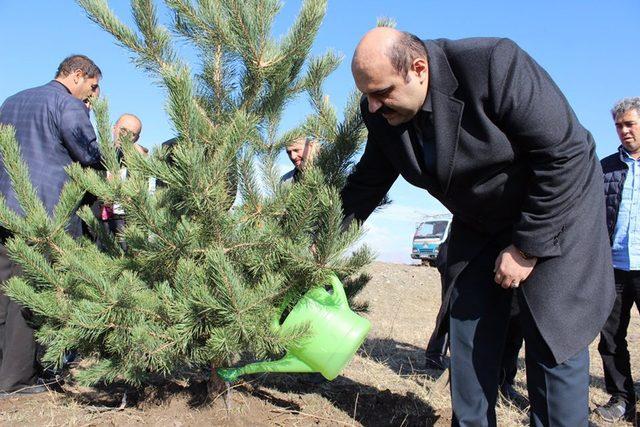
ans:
x=429 y=235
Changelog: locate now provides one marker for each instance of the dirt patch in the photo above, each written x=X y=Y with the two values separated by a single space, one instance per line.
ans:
x=384 y=385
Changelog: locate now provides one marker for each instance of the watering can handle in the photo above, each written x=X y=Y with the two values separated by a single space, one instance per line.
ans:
x=339 y=297
x=338 y=291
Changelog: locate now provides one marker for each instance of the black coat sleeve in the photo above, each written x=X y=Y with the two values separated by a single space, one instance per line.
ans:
x=368 y=183
x=538 y=120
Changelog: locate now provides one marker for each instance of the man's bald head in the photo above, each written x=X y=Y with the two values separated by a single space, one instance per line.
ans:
x=373 y=47
x=390 y=68
x=400 y=48
x=127 y=124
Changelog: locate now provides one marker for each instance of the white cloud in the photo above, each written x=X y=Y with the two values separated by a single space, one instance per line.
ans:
x=389 y=239
x=399 y=213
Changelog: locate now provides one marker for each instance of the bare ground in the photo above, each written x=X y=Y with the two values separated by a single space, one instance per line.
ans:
x=385 y=384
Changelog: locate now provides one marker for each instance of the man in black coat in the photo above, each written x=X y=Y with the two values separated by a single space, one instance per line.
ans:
x=622 y=190
x=53 y=130
x=481 y=126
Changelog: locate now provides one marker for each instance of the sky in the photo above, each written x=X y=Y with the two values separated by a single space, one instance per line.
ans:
x=591 y=48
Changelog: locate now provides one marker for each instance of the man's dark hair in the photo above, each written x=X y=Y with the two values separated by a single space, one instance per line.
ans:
x=403 y=52
x=78 y=62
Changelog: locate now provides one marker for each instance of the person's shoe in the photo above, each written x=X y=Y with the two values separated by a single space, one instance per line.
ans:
x=436 y=362
x=617 y=409
x=509 y=393
x=57 y=376
x=53 y=377
x=41 y=386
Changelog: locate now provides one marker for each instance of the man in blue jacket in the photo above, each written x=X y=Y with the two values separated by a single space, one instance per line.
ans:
x=622 y=192
x=53 y=130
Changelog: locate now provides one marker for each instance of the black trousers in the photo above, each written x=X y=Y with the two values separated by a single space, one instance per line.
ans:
x=439 y=342
x=613 y=338
x=513 y=343
x=18 y=366
x=113 y=226
x=479 y=319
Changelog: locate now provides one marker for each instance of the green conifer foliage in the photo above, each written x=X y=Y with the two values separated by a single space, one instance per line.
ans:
x=215 y=253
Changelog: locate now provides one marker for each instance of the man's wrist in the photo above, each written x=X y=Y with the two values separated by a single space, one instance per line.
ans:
x=525 y=255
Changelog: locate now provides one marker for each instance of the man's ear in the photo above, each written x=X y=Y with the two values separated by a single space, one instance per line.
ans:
x=420 y=67
x=77 y=74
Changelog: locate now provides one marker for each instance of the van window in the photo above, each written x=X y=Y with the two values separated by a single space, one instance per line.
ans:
x=431 y=229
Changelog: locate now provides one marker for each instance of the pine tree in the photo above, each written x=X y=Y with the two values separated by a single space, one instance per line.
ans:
x=214 y=253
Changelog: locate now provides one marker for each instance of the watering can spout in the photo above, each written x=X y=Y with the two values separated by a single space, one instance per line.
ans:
x=289 y=363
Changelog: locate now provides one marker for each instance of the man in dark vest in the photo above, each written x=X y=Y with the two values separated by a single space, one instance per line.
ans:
x=53 y=130
x=622 y=195
x=481 y=126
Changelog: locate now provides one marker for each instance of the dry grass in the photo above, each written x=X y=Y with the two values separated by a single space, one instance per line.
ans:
x=384 y=385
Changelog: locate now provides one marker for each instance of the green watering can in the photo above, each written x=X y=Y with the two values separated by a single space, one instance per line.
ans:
x=335 y=335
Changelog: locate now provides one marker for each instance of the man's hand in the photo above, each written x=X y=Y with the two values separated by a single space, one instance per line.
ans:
x=512 y=268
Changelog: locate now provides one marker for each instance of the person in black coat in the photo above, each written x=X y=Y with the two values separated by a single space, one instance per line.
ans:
x=53 y=130
x=481 y=126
